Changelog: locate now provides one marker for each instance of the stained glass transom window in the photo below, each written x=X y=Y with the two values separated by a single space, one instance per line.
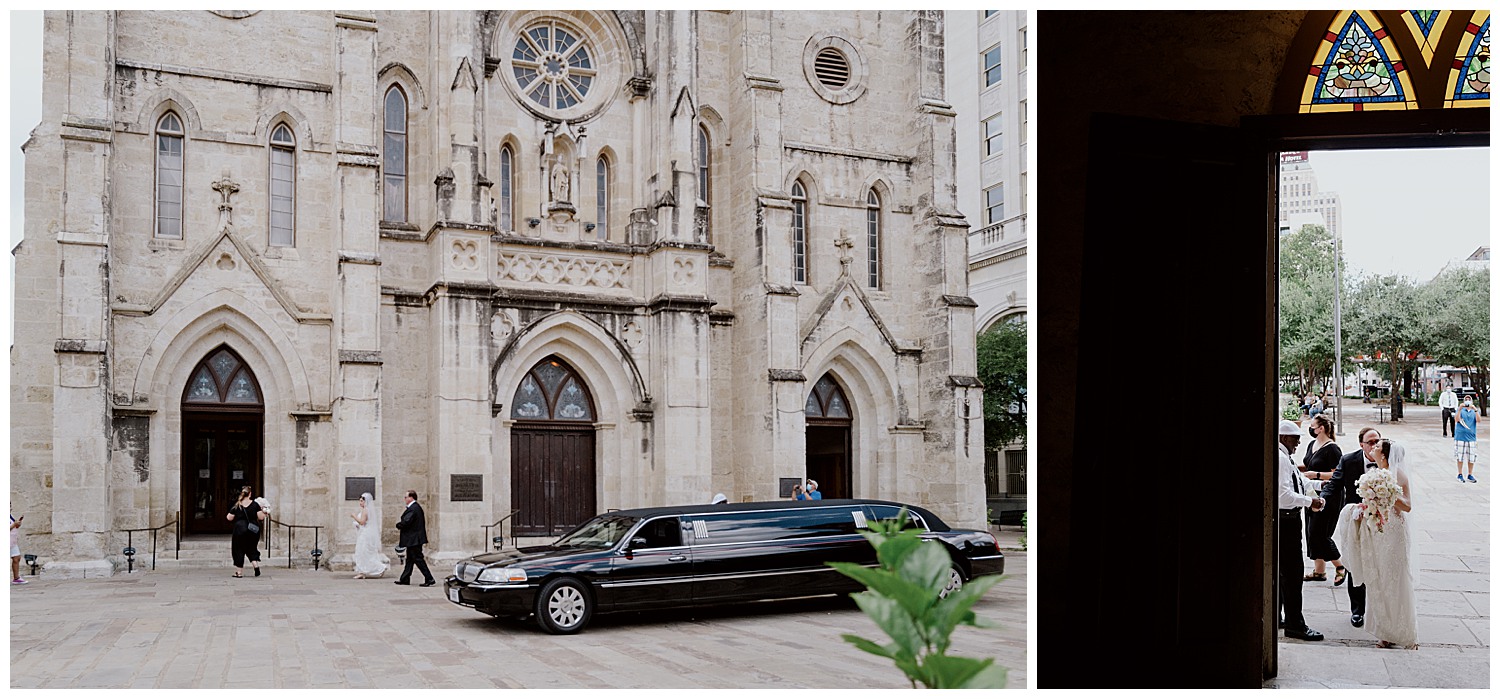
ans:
x=827 y=401
x=1426 y=28
x=552 y=391
x=222 y=379
x=1357 y=67
x=1469 y=80
x=552 y=66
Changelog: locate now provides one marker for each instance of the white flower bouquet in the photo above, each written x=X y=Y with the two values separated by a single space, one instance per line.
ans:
x=1379 y=490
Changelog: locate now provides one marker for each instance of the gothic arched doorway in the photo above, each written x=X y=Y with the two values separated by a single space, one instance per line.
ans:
x=830 y=428
x=223 y=422
x=552 y=480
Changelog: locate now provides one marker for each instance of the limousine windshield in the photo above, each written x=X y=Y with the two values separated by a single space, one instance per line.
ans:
x=601 y=532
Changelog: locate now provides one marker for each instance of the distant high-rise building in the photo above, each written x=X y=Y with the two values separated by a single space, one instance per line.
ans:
x=986 y=61
x=1301 y=199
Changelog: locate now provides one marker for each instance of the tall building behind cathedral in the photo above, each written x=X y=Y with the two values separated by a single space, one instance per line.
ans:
x=533 y=265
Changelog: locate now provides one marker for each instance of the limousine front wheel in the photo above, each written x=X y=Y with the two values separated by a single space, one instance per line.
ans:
x=563 y=606
x=955 y=582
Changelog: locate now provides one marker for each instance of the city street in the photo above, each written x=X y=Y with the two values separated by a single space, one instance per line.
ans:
x=195 y=628
x=1453 y=592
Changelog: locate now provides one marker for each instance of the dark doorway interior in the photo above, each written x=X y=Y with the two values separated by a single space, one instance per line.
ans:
x=223 y=419
x=828 y=459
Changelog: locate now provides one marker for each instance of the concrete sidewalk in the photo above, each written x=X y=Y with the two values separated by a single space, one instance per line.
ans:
x=1453 y=593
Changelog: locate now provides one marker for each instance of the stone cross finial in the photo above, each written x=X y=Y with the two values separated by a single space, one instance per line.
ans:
x=226 y=188
x=844 y=244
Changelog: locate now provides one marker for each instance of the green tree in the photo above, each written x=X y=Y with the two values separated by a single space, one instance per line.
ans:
x=1387 y=320
x=1306 y=280
x=1002 y=369
x=1459 y=324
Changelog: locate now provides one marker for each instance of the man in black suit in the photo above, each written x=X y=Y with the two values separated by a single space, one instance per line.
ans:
x=1345 y=477
x=413 y=526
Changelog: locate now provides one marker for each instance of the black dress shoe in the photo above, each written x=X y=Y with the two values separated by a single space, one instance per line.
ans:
x=1281 y=623
x=1357 y=619
x=1305 y=634
x=402 y=582
x=429 y=583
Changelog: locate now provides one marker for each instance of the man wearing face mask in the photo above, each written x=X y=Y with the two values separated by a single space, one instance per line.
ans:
x=1292 y=494
x=1345 y=477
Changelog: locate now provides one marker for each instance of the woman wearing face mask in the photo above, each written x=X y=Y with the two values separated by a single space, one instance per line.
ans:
x=1318 y=463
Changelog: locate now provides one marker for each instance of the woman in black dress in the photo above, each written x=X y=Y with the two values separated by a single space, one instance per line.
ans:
x=244 y=539
x=1318 y=463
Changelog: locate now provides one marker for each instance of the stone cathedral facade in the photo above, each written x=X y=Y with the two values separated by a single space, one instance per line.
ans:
x=546 y=263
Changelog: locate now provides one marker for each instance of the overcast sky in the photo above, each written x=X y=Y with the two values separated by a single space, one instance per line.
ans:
x=1407 y=211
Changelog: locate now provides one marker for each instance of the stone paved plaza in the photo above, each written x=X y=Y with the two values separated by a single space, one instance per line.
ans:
x=197 y=628
x=1453 y=592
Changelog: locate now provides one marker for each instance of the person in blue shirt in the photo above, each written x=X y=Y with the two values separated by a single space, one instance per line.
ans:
x=1465 y=438
x=811 y=493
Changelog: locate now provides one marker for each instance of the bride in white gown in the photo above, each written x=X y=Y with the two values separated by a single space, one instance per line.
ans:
x=1384 y=560
x=368 y=561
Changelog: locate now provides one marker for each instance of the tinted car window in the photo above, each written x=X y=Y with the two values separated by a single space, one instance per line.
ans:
x=776 y=526
x=603 y=531
x=660 y=533
x=884 y=512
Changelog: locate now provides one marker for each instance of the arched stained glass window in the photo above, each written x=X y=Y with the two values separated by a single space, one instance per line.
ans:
x=1469 y=79
x=224 y=381
x=601 y=201
x=1357 y=67
x=169 y=160
x=393 y=162
x=827 y=401
x=1367 y=60
x=552 y=391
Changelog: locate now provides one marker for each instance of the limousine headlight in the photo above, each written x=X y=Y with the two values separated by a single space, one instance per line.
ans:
x=501 y=575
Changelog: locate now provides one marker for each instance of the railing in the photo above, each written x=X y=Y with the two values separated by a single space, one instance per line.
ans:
x=499 y=541
x=130 y=542
x=291 y=535
x=994 y=234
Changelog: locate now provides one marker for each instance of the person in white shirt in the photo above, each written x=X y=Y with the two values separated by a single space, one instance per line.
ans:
x=1448 y=401
x=1292 y=493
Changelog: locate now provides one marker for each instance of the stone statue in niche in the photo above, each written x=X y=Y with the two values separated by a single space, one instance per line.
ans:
x=561 y=185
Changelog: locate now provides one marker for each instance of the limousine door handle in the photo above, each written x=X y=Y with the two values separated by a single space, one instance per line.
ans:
x=674 y=559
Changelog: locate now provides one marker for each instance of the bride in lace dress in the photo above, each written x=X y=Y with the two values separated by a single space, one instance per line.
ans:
x=1382 y=556
x=368 y=561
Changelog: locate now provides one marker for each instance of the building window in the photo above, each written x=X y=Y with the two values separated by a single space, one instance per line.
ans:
x=994 y=204
x=799 y=233
x=507 y=189
x=992 y=66
x=990 y=13
x=552 y=67
x=393 y=165
x=992 y=136
x=872 y=235
x=601 y=198
x=169 y=176
x=1025 y=122
x=705 y=178
x=283 y=186
x=1023 y=47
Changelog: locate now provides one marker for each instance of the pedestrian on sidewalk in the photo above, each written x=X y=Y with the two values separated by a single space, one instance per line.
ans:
x=1344 y=486
x=413 y=526
x=1448 y=401
x=1292 y=494
x=1465 y=436
x=15 y=551
x=244 y=539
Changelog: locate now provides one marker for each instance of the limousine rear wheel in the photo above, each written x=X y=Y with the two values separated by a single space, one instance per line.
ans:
x=563 y=606
x=955 y=581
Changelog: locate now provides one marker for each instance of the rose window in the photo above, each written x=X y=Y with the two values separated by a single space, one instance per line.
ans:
x=553 y=68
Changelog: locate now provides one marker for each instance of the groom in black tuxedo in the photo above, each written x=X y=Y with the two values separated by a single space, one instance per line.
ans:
x=1345 y=477
x=413 y=526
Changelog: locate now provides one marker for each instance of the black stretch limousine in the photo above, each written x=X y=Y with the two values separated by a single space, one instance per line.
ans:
x=695 y=555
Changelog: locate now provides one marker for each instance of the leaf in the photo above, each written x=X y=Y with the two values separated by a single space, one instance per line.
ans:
x=927 y=567
x=893 y=620
x=955 y=610
x=871 y=647
x=954 y=672
x=992 y=677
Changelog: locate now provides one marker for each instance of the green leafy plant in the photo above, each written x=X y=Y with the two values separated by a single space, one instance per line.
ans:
x=1292 y=411
x=904 y=597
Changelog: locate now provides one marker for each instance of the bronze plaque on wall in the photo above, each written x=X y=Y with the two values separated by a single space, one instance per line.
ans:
x=356 y=485
x=466 y=487
x=784 y=486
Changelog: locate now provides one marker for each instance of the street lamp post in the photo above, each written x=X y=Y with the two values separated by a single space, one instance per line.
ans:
x=1338 y=336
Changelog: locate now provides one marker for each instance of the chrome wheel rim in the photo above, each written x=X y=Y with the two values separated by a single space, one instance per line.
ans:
x=955 y=581
x=565 y=606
